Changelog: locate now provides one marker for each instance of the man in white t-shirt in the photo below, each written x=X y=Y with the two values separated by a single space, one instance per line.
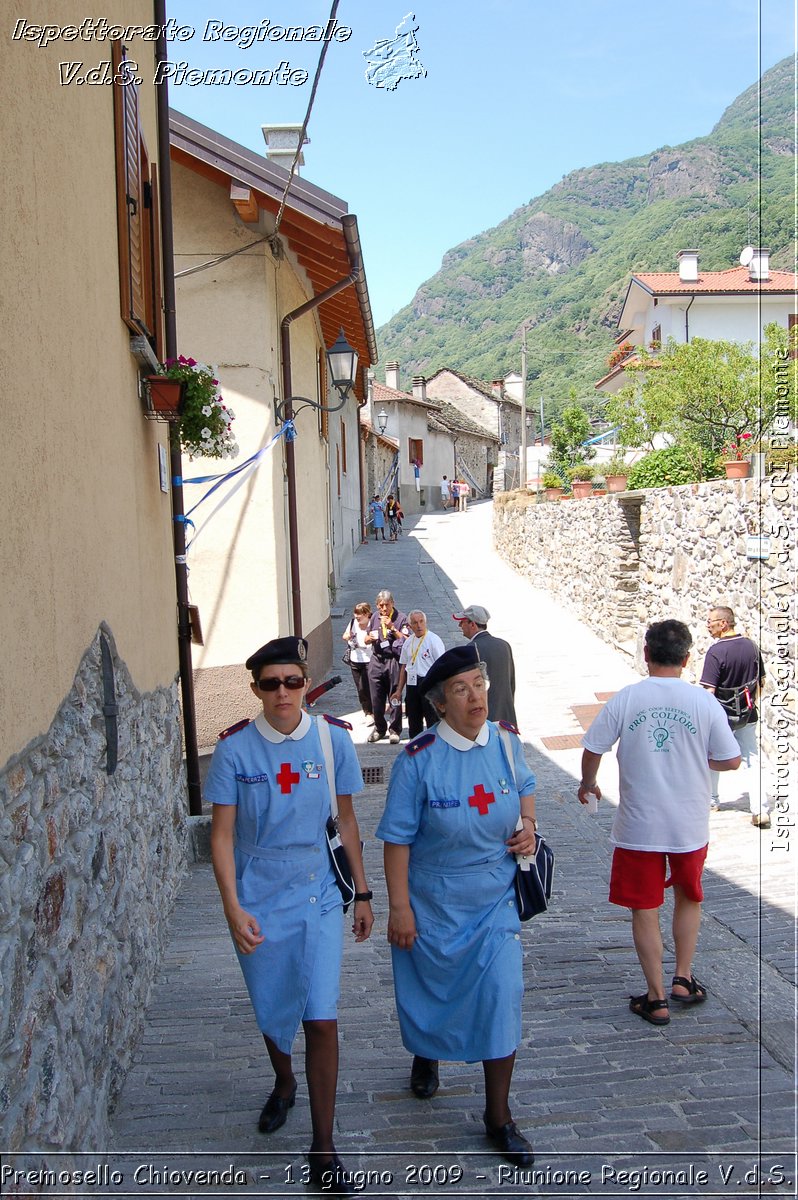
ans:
x=669 y=738
x=417 y=656
x=445 y=493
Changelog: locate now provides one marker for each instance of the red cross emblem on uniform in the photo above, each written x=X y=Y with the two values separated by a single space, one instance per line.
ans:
x=481 y=799
x=287 y=778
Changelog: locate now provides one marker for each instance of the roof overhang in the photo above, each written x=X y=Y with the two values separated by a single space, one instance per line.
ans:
x=319 y=230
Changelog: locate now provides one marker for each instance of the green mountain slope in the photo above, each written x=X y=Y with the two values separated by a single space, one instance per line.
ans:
x=563 y=261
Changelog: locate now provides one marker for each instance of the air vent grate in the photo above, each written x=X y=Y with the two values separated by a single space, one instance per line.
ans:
x=373 y=775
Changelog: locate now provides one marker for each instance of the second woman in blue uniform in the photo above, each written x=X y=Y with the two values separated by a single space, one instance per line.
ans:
x=449 y=829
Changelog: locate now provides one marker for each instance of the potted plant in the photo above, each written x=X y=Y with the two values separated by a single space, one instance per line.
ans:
x=581 y=477
x=553 y=485
x=735 y=465
x=204 y=425
x=616 y=473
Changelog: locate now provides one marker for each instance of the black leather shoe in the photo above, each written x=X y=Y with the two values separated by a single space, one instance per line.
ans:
x=275 y=1111
x=511 y=1142
x=424 y=1080
x=329 y=1175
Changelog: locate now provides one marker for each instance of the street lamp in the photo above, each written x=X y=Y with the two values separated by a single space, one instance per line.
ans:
x=342 y=363
x=382 y=420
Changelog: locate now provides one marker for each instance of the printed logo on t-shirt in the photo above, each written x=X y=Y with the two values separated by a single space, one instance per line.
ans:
x=662 y=726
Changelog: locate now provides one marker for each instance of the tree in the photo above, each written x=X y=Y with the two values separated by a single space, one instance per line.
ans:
x=568 y=437
x=710 y=396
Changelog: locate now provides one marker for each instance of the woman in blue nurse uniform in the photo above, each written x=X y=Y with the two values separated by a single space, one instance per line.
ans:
x=450 y=836
x=271 y=801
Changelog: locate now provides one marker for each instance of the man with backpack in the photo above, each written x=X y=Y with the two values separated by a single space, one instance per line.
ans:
x=735 y=673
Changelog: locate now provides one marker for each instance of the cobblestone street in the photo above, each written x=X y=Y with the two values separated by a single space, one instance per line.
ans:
x=598 y=1092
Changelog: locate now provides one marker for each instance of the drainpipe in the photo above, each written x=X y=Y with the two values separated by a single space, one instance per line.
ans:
x=687 y=322
x=290 y=461
x=175 y=461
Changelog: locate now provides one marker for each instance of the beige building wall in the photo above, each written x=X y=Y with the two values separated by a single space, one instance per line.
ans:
x=86 y=529
x=239 y=573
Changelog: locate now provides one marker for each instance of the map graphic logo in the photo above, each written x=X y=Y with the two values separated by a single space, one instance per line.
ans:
x=390 y=60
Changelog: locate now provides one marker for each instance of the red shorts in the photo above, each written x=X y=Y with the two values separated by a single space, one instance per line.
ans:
x=638 y=878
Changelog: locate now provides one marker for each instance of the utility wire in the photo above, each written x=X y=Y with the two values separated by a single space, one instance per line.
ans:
x=270 y=236
x=300 y=143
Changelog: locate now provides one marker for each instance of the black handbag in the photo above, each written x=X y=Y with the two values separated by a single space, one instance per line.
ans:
x=335 y=847
x=340 y=864
x=346 y=657
x=533 y=878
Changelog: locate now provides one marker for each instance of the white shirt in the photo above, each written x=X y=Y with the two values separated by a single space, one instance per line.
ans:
x=666 y=731
x=361 y=651
x=418 y=655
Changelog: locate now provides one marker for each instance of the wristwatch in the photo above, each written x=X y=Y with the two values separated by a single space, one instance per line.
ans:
x=363 y=895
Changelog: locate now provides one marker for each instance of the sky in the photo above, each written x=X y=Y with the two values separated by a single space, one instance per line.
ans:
x=517 y=93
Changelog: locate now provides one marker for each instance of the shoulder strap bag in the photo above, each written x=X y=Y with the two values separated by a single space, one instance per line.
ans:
x=534 y=873
x=335 y=847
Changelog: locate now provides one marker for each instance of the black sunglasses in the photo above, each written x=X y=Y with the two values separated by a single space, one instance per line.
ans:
x=292 y=682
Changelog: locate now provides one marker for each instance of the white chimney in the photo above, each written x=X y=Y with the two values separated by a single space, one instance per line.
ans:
x=420 y=389
x=688 y=266
x=392 y=375
x=759 y=267
x=281 y=143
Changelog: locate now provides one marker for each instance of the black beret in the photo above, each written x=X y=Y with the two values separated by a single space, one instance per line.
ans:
x=453 y=662
x=280 y=650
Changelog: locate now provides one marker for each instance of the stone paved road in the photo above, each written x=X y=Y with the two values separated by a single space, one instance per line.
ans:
x=600 y=1092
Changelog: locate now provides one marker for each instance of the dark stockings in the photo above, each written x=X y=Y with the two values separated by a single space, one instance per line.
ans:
x=498 y=1076
x=321 y=1072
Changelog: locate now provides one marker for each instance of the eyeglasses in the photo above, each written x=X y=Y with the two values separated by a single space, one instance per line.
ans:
x=292 y=682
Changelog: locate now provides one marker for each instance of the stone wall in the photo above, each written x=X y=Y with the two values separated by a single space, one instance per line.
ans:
x=623 y=561
x=90 y=864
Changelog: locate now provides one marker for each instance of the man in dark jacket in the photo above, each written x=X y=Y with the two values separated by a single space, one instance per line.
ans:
x=734 y=671
x=497 y=656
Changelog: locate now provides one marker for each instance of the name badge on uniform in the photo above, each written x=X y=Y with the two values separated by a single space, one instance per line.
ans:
x=385 y=645
x=444 y=803
x=311 y=769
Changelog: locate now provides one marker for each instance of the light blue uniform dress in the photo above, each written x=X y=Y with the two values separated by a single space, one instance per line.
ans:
x=283 y=872
x=454 y=802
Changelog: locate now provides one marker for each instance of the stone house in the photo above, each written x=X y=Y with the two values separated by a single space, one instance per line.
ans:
x=434 y=434
x=732 y=306
x=255 y=316
x=492 y=409
x=92 y=785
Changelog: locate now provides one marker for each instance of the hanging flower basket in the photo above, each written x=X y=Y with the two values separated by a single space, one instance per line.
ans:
x=737 y=468
x=204 y=421
x=165 y=398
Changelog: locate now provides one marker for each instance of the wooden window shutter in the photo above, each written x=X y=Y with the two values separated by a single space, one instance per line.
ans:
x=156 y=296
x=343 y=446
x=129 y=198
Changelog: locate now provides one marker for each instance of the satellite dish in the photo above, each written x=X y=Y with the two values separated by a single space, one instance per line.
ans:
x=746 y=256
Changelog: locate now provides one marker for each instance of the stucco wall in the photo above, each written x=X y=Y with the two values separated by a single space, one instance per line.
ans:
x=622 y=562
x=86 y=529
x=239 y=566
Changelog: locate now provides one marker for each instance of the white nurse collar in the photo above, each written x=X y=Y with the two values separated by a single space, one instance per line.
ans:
x=457 y=741
x=273 y=735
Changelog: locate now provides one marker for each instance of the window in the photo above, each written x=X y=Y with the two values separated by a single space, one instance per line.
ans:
x=656 y=337
x=416 y=451
x=338 y=468
x=343 y=446
x=137 y=212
